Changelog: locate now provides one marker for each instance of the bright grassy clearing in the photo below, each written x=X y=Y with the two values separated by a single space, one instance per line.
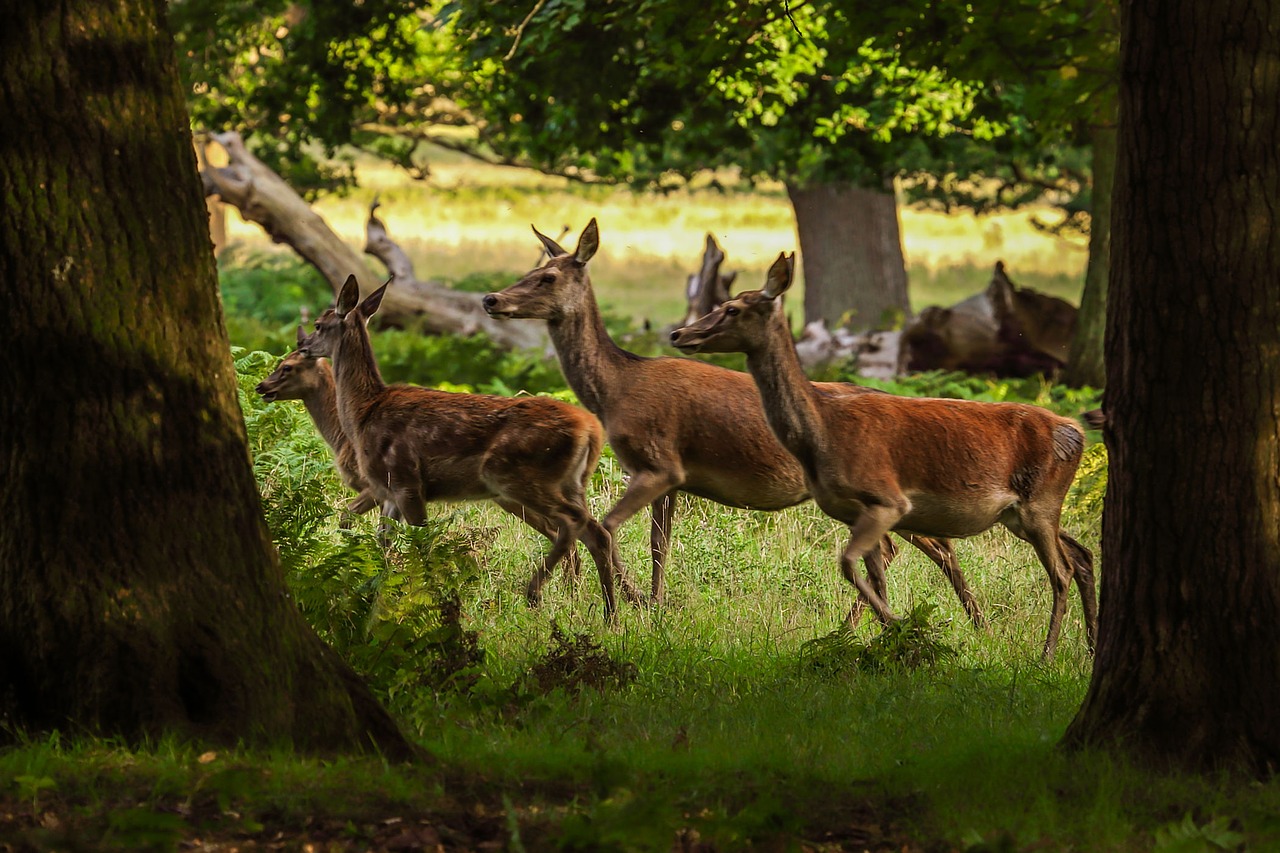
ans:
x=474 y=218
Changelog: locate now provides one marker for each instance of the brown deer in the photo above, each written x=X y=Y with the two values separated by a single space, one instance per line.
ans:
x=675 y=424
x=298 y=377
x=879 y=462
x=532 y=456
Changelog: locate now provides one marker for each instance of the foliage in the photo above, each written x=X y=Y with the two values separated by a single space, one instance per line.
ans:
x=574 y=663
x=266 y=296
x=387 y=600
x=912 y=642
x=762 y=88
x=292 y=74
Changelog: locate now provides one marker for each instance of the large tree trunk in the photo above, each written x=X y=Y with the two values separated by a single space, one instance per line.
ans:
x=851 y=250
x=1187 y=672
x=1087 y=365
x=263 y=197
x=139 y=592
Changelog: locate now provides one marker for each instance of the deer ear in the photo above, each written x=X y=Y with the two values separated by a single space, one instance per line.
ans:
x=779 y=278
x=374 y=300
x=348 y=297
x=553 y=248
x=302 y=336
x=587 y=243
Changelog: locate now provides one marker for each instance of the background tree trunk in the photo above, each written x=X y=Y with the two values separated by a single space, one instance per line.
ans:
x=1187 y=671
x=1087 y=365
x=139 y=592
x=263 y=197
x=851 y=251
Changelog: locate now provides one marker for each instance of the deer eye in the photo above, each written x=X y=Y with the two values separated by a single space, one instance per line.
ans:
x=547 y=278
x=732 y=312
x=285 y=368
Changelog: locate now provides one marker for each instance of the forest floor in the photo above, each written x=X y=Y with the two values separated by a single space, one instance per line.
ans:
x=472 y=817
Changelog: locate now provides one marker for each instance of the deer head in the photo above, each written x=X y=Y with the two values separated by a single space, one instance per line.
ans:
x=347 y=319
x=738 y=324
x=554 y=290
x=295 y=377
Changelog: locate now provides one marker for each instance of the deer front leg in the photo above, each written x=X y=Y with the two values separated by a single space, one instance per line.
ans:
x=663 y=510
x=876 y=561
x=865 y=534
x=646 y=487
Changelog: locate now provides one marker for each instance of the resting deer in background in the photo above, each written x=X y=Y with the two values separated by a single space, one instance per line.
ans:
x=532 y=456
x=675 y=424
x=879 y=462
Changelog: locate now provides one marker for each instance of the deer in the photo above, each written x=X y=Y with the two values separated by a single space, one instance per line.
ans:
x=533 y=456
x=310 y=380
x=676 y=424
x=932 y=467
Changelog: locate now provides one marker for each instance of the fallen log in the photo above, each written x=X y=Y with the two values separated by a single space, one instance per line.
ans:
x=264 y=197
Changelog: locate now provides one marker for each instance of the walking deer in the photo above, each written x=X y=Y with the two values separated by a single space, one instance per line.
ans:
x=879 y=462
x=675 y=424
x=532 y=456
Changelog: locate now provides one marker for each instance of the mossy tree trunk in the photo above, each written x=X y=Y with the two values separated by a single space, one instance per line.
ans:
x=855 y=274
x=139 y=592
x=1187 y=673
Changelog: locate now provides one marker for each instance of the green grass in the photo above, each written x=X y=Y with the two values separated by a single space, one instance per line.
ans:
x=714 y=722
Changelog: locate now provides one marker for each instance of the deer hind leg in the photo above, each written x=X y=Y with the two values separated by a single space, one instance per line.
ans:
x=663 y=510
x=540 y=523
x=645 y=487
x=944 y=555
x=1044 y=538
x=1080 y=559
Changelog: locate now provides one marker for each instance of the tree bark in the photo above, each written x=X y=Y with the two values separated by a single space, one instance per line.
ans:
x=1187 y=672
x=139 y=591
x=1087 y=365
x=851 y=249
x=263 y=197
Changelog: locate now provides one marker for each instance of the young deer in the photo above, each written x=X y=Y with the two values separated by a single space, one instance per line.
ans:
x=676 y=424
x=878 y=462
x=298 y=377
x=532 y=456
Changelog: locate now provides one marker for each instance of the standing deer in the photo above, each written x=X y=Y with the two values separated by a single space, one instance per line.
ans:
x=298 y=377
x=879 y=462
x=532 y=455
x=675 y=424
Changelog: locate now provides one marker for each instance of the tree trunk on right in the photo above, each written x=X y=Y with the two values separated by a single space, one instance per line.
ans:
x=851 y=251
x=1187 y=673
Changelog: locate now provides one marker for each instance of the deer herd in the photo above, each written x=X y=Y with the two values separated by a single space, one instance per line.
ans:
x=926 y=470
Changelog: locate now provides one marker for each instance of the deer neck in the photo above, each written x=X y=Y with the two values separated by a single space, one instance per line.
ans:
x=789 y=398
x=357 y=382
x=322 y=405
x=592 y=363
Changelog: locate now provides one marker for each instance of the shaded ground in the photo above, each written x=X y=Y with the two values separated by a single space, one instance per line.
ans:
x=475 y=819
